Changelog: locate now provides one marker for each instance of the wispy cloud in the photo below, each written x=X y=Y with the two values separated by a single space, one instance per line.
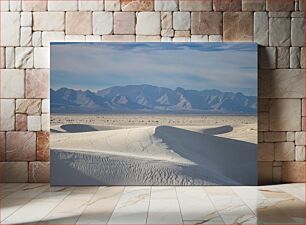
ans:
x=224 y=66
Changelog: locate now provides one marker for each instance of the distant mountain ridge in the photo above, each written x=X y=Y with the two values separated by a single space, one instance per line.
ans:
x=151 y=99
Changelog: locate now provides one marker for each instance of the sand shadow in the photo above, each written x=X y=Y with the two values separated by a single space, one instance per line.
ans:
x=233 y=158
x=77 y=128
x=83 y=128
x=218 y=130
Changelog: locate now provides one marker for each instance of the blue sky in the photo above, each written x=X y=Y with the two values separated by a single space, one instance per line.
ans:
x=198 y=66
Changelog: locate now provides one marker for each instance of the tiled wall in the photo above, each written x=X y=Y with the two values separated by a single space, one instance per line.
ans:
x=28 y=26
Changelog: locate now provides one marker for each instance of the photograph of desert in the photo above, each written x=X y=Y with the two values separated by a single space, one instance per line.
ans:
x=153 y=114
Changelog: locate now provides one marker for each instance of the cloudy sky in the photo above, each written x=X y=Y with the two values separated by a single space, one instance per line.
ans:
x=197 y=66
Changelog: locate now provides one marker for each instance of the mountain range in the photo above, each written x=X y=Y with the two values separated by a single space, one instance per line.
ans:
x=151 y=99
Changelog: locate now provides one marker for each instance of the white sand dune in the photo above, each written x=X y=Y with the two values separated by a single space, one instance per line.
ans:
x=243 y=132
x=153 y=155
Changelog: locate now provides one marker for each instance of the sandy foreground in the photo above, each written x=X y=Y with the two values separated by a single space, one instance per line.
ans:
x=153 y=150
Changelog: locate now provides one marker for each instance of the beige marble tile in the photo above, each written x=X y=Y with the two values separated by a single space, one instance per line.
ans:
x=175 y=205
x=9 y=188
x=258 y=204
x=132 y=207
x=164 y=207
x=9 y=206
x=100 y=208
x=195 y=204
x=29 y=191
x=296 y=190
x=248 y=193
x=233 y=210
x=68 y=211
x=67 y=217
x=32 y=212
x=219 y=190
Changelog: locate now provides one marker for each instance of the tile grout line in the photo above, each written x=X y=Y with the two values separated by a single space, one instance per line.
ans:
x=178 y=201
x=214 y=205
x=248 y=205
x=3 y=219
x=149 y=205
x=116 y=204
x=87 y=205
x=32 y=199
x=54 y=208
x=18 y=189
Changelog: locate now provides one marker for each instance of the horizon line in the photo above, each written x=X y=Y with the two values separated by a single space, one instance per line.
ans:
x=213 y=89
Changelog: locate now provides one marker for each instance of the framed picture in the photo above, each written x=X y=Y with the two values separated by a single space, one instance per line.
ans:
x=153 y=114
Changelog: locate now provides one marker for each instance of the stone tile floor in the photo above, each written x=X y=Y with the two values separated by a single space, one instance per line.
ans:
x=42 y=204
